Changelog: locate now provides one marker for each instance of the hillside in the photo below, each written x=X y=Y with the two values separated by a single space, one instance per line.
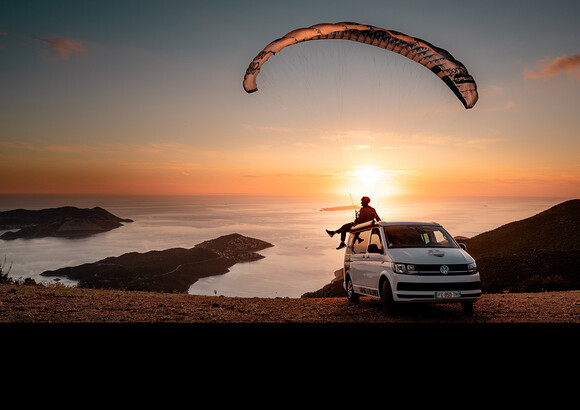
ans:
x=537 y=253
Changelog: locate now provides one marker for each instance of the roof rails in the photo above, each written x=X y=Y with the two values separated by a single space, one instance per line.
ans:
x=373 y=223
x=363 y=225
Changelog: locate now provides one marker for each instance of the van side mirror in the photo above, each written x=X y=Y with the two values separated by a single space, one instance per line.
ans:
x=463 y=246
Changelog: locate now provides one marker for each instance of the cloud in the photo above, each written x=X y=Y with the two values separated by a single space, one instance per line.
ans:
x=421 y=141
x=250 y=127
x=402 y=147
x=508 y=105
x=359 y=147
x=479 y=143
x=26 y=146
x=552 y=68
x=3 y=33
x=63 y=47
x=301 y=144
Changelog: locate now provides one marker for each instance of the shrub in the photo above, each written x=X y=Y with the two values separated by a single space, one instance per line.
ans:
x=4 y=272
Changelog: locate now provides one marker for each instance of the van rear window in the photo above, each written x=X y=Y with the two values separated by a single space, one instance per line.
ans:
x=417 y=237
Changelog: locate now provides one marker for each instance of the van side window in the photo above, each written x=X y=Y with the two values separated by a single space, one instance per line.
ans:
x=440 y=239
x=361 y=242
x=375 y=243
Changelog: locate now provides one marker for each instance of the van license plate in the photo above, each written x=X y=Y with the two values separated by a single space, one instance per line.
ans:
x=448 y=294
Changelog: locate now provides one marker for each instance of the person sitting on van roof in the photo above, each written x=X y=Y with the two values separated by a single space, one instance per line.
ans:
x=365 y=214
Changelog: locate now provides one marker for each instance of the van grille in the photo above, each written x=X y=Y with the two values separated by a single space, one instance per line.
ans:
x=454 y=269
x=417 y=286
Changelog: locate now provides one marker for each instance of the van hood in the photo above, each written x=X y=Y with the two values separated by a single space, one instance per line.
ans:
x=425 y=256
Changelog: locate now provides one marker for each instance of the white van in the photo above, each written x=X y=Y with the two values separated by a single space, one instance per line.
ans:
x=409 y=262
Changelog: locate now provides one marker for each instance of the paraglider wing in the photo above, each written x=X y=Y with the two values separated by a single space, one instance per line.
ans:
x=439 y=61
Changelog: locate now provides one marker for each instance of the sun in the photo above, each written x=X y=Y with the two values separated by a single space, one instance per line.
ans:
x=368 y=175
x=372 y=180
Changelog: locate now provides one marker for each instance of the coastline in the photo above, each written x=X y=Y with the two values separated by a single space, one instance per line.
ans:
x=180 y=222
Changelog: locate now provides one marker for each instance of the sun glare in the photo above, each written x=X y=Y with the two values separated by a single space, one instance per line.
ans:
x=371 y=180
x=368 y=175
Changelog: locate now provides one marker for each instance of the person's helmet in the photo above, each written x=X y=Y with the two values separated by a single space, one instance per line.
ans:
x=365 y=199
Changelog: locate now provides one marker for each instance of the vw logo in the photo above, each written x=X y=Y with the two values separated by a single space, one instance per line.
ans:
x=444 y=269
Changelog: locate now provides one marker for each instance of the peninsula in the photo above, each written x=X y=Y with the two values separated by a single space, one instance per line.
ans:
x=170 y=270
x=67 y=221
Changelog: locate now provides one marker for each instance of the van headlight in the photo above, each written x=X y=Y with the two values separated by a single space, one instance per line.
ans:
x=472 y=267
x=404 y=268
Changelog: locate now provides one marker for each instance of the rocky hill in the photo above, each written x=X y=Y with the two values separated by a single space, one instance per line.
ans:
x=67 y=221
x=170 y=270
x=535 y=254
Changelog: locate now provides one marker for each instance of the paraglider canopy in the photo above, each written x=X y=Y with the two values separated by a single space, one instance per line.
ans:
x=439 y=61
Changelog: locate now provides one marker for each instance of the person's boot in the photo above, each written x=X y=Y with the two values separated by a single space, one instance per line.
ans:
x=342 y=245
x=330 y=233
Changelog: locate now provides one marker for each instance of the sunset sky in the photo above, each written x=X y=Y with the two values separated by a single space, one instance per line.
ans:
x=146 y=97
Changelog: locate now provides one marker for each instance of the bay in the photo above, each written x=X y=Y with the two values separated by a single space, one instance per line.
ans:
x=303 y=258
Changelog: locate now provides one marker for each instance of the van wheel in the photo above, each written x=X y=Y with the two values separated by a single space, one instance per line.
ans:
x=387 y=296
x=350 y=295
x=467 y=308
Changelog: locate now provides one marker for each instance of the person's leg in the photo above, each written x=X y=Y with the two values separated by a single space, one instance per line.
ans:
x=343 y=230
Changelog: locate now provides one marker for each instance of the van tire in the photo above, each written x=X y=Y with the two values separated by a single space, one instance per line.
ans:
x=350 y=295
x=387 y=295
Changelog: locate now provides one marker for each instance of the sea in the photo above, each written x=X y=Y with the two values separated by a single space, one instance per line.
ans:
x=303 y=258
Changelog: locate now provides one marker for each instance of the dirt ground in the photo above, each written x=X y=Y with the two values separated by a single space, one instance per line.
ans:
x=57 y=304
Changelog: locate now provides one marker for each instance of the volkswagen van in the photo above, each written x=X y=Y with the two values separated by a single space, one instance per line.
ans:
x=403 y=262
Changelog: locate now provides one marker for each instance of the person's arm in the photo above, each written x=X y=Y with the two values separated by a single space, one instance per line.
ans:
x=357 y=216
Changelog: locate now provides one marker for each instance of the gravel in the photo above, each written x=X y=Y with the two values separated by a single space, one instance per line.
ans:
x=58 y=304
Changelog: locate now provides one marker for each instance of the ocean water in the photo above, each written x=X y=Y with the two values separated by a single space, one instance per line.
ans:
x=303 y=258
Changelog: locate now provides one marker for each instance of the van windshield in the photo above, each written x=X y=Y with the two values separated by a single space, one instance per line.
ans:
x=417 y=237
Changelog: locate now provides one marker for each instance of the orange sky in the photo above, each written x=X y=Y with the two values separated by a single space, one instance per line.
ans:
x=140 y=110
x=425 y=169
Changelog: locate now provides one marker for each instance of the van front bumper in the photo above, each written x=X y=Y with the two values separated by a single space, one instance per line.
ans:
x=420 y=288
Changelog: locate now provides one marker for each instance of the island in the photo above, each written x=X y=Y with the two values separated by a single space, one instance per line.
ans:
x=341 y=208
x=170 y=270
x=66 y=221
